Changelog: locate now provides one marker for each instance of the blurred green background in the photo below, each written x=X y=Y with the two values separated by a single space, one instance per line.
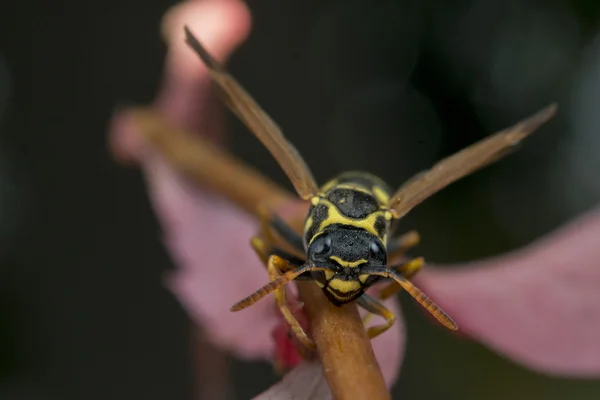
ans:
x=381 y=85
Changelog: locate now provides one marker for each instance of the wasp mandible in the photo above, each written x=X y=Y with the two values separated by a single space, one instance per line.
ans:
x=346 y=240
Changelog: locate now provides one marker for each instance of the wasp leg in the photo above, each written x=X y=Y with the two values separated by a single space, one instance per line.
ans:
x=287 y=233
x=277 y=266
x=375 y=307
x=408 y=270
x=400 y=245
x=261 y=250
x=264 y=252
x=270 y=220
x=264 y=216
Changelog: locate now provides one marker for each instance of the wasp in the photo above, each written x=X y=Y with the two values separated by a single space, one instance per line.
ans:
x=346 y=242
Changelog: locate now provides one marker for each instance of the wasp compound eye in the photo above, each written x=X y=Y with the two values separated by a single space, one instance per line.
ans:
x=375 y=249
x=322 y=245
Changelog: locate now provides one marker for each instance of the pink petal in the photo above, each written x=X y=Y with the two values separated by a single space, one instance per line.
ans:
x=306 y=381
x=221 y=25
x=539 y=306
x=195 y=225
x=206 y=236
x=287 y=355
x=208 y=239
x=185 y=98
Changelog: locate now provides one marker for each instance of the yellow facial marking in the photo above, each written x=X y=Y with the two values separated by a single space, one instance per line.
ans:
x=382 y=197
x=350 y=264
x=363 y=278
x=335 y=217
x=329 y=275
x=344 y=286
x=308 y=224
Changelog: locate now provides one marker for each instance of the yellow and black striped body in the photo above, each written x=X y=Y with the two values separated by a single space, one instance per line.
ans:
x=346 y=228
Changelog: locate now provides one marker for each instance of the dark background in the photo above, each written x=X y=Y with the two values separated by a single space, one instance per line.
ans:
x=386 y=86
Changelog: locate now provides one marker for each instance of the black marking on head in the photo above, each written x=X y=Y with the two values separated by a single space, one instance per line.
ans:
x=353 y=203
x=319 y=213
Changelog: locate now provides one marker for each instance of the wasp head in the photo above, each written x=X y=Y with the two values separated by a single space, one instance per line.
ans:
x=345 y=252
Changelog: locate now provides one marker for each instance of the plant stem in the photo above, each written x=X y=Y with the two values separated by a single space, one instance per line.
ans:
x=343 y=346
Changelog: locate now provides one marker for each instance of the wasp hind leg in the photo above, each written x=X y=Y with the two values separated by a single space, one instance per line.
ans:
x=399 y=246
x=277 y=266
x=261 y=249
x=264 y=252
x=270 y=222
x=374 y=307
x=264 y=243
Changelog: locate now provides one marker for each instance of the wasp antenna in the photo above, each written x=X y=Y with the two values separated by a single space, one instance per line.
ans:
x=270 y=288
x=418 y=295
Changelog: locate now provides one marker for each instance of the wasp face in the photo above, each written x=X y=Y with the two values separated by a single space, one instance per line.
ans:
x=345 y=252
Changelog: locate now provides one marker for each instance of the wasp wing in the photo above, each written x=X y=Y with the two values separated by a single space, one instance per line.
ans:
x=257 y=120
x=466 y=161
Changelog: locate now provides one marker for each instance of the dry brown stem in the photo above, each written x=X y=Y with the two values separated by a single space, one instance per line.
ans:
x=344 y=349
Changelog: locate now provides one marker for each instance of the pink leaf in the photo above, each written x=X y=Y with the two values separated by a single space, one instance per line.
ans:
x=539 y=306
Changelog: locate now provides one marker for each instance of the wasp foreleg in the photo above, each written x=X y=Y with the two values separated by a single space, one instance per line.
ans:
x=408 y=270
x=375 y=307
x=277 y=266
